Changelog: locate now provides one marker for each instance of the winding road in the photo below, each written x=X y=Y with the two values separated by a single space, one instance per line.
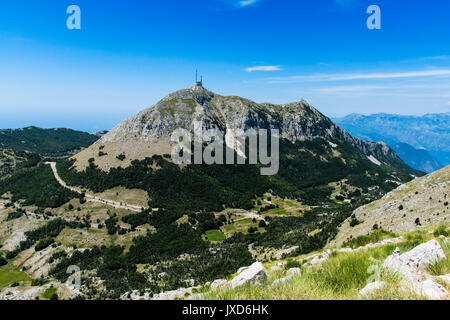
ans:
x=93 y=198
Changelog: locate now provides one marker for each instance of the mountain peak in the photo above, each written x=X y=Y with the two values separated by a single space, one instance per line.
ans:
x=149 y=132
x=196 y=93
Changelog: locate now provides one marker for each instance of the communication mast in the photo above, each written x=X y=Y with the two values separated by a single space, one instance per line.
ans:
x=198 y=83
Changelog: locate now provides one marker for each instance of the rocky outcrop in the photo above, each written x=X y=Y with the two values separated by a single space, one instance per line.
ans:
x=254 y=275
x=372 y=287
x=410 y=266
x=175 y=294
x=416 y=259
x=218 y=283
x=432 y=290
x=290 y=274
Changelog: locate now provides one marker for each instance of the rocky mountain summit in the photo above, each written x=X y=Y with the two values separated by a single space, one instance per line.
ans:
x=149 y=132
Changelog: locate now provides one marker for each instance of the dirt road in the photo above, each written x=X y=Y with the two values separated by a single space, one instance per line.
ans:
x=92 y=198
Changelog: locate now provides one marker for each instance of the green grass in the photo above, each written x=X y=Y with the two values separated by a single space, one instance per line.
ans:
x=49 y=293
x=374 y=237
x=341 y=277
x=9 y=277
x=442 y=267
x=215 y=235
x=439 y=268
x=241 y=226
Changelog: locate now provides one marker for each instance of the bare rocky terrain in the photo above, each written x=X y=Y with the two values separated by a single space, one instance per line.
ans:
x=414 y=205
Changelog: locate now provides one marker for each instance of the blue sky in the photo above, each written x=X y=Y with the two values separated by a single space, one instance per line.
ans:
x=130 y=54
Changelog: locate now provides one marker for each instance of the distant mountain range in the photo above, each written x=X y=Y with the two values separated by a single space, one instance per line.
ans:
x=423 y=142
x=48 y=142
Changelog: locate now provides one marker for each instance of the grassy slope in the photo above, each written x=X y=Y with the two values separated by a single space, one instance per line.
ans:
x=341 y=277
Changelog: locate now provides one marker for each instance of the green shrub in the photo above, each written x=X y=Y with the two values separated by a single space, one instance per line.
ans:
x=121 y=157
x=3 y=261
x=441 y=231
x=12 y=254
x=292 y=264
x=41 y=245
x=375 y=236
x=354 y=222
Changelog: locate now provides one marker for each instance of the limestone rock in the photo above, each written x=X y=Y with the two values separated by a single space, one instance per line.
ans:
x=445 y=278
x=254 y=275
x=409 y=263
x=432 y=290
x=423 y=255
x=281 y=281
x=175 y=294
x=371 y=288
x=294 y=272
x=218 y=283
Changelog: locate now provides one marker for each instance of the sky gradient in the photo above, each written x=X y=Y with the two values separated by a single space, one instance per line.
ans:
x=130 y=54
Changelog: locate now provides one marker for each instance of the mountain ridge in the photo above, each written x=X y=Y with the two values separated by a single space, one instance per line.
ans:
x=49 y=142
x=149 y=131
x=429 y=135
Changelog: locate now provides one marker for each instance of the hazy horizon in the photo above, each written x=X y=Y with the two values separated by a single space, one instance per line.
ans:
x=129 y=55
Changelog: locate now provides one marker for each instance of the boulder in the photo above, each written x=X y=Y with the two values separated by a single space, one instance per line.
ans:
x=276 y=268
x=279 y=266
x=294 y=272
x=445 y=278
x=254 y=275
x=432 y=290
x=218 y=283
x=372 y=287
x=281 y=281
x=409 y=263
x=423 y=255
x=241 y=269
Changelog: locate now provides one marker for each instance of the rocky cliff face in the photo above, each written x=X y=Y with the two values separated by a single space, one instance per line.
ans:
x=149 y=131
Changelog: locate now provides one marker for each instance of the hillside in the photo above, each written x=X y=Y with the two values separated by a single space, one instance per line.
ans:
x=48 y=142
x=140 y=222
x=428 y=135
x=414 y=205
x=12 y=161
x=419 y=159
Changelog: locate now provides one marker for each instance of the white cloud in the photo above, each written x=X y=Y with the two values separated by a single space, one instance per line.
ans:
x=361 y=76
x=431 y=58
x=366 y=88
x=263 y=68
x=245 y=3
